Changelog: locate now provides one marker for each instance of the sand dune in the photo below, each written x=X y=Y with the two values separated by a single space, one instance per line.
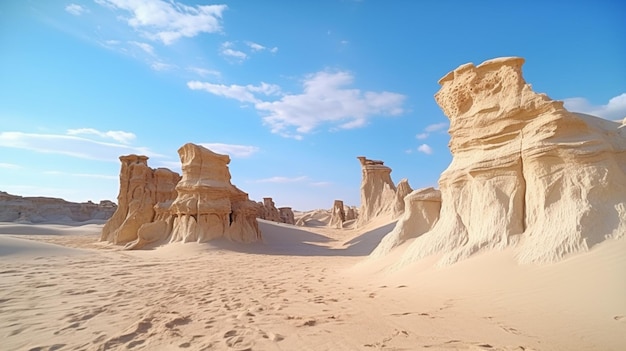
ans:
x=300 y=289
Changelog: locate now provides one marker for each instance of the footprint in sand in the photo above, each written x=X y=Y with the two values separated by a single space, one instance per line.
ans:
x=620 y=318
x=234 y=340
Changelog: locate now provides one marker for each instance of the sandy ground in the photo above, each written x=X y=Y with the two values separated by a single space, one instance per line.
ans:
x=301 y=289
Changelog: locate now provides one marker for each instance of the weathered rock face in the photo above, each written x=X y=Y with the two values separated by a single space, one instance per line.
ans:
x=15 y=208
x=525 y=171
x=338 y=215
x=286 y=215
x=208 y=206
x=269 y=211
x=422 y=212
x=379 y=196
x=141 y=188
x=351 y=213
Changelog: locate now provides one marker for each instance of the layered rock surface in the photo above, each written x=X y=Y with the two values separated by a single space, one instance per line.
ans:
x=379 y=196
x=199 y=206
x=525 y=171
x=14 y=208
x=144 y=192
x=338 y=215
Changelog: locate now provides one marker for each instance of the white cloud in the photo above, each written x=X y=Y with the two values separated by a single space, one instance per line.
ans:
x=325 y=100
x=425 y=149
x=436 y=127
x=72 y=145
x=227 y=50
x=255 y=47
x=117 y=135
x=282 y=180
x=147 y=48
x=82 y=175
x=422 y=136
x=615 y=109
x=203 y=71
x=231 y=149
x=161 y=66
x=75 y=9
x=9 y=166
x=238 y=92
x=168 y=21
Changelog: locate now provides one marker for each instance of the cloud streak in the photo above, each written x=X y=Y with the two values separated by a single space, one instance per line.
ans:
x=75 y=9
x=232 y=150
x=326 y=99
x=614 y=109
x=168 y=21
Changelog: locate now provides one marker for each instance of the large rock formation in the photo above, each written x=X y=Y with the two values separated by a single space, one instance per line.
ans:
x=286 y=215
x=524 y=172
x=422 y=212
x=141 y=189
x=199 y=206
x=208 y=206
x=338 y=215
x=14 y=208
x=379 y=196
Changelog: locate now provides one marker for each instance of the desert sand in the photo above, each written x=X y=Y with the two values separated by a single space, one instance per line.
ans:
x=301 y=288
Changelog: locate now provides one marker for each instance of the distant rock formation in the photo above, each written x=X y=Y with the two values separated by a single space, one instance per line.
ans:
x=525 y=172
x=199 y=206
x=338 y=215
x=379 y=196
x=422 y=212
x=14 y=208
x=141 y=189
x=268 y=210
x=287 y=215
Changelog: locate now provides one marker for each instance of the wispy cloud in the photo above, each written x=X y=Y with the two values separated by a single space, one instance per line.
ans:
x=9 y=166
x=161 y=66
x=203 y=71
x=233 y=150
x=168 y=21
x=279 y=179
x=431 y=129
x=82 y=175
x=73 y=145
x=147 y=48
x=227 y=50
x=615 y=109
x=117 y=135
x=255 y=47
x=425 y=148
x=326 y=99
x=76 y=9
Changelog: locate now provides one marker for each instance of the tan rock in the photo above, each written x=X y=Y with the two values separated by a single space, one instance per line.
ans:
x=269 y=211
x=141 y=188
x=422 y=212
x=338 y=215
x=208 y=206
x=379 y=196
x=524 y=172
x=286 y=215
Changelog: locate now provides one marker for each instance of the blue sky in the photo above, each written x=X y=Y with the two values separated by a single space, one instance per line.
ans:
x=294 y=91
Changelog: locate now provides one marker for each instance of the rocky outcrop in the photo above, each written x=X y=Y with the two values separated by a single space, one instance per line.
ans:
x=422 y=212
x=379 y=196
x=268 y=210
x=14 y=208
x=141 y=189
x=338 y=215
x=199 y=206
x=286 y=215
x=525 y=171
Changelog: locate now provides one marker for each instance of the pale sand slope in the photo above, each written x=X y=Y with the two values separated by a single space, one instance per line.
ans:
x=299 y=290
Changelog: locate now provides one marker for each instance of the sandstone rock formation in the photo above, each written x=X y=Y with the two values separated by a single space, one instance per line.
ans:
x=14 y=208
x=199 y=206
x=141 y=188
x=525 y=171
x=268 y=210
x=379 y=196
x=422 y=212
x=338 y=215
x=287 y=215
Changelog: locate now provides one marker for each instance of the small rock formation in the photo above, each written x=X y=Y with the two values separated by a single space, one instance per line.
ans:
x=286 y=215
x=338 y=215
x=351 y=213
x=141 y=189
x=422 y=212
x=14 y=208
x=525 y=171
x=199 y=206
x=379 y=196
x=269 y=211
